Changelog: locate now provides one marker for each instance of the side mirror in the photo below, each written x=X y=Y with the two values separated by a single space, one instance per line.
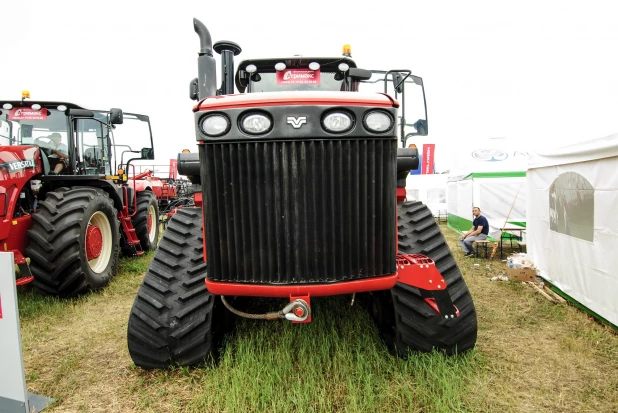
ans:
x=420 y=128
x=359 y=74
x=194 y=93
x=115 y=116
x=147 y=153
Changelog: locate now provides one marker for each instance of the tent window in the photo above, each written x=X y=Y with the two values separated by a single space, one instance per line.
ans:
x=571 y=206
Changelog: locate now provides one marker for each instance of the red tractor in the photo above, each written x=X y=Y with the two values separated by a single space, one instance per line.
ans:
x=66 y=201
x=302 y=196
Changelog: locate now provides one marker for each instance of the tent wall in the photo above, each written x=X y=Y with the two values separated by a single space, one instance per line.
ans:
x=494 y=196
x=460 y=215
x=561 y=208
x=430 y=189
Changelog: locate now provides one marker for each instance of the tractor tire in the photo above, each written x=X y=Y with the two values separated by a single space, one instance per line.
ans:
x=74 y=241
x=171 y=321
x=146 y=220
x=408 y=324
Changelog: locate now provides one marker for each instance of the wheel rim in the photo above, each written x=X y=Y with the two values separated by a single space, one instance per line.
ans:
x=152 y=228
x=94 y=242
x=98 y=228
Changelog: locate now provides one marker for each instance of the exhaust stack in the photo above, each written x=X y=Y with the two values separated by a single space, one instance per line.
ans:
x=206 y=64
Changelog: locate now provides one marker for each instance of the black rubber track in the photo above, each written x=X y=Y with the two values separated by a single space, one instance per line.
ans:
x=408 y=323
x=171 y=321
x=140 y=220
x=57 y=241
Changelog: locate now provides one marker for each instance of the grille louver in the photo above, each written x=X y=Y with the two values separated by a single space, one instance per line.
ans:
x=295 y=212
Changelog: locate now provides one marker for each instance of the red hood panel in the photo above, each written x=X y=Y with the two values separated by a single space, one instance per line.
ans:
x=19 y=161
x=296 y=98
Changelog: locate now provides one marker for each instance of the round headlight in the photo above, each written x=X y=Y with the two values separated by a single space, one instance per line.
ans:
x=215 y=125
x=337 y=122
x=61 y=108
x=7 y=106
x=255 y=124
x=378 y=122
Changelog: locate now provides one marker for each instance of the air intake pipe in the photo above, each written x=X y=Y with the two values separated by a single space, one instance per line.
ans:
x=227 y=50
x=206 y=64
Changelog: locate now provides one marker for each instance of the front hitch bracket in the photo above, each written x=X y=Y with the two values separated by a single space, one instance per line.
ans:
x=421 y=272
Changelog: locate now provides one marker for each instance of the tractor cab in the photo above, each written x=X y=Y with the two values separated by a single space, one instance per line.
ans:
x=74 y=140
x=69 y=193
x=338 y=74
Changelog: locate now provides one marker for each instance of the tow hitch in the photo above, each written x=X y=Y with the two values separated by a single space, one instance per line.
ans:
x=297 y=311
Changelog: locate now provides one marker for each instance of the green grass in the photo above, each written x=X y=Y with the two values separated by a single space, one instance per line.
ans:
x=335 y=363
x=33 y=304
x=531 y=356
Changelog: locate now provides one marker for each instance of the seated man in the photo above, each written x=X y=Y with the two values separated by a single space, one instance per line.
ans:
x=57 y=149
x=478 y=232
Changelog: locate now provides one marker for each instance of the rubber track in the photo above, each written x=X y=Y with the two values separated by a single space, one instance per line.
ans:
x=418 y=327
x=171 y=319
x=55 y=241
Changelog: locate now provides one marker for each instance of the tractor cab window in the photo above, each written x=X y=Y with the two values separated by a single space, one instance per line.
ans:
x=131 y=140
x=26 y=126
x=296 y=79
x=93 y=145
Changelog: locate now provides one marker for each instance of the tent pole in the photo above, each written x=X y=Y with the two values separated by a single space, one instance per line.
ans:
x=493 y=252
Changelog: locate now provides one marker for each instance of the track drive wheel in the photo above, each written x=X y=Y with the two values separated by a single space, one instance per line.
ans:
x=74 y=241
x=171 y=321
x=408 y=324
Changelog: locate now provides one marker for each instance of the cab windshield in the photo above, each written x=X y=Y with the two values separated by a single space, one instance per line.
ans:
x=297 y=73
x=26 y=126
x=296 y=79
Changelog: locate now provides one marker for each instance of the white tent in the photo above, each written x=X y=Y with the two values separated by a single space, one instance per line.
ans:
x=572 y=223
x=430 y=189
x=491 y=176
x=494 y=193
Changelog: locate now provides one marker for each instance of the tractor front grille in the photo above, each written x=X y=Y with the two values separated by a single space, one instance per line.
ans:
x=298 y=212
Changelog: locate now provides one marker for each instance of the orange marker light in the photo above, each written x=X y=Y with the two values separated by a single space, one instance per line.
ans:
x=347 y=50
x=25 y=94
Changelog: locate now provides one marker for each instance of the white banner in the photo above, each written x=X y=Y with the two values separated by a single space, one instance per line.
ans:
x=12 y=380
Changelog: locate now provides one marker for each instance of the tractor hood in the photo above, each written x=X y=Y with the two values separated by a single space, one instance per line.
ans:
x=295 y=98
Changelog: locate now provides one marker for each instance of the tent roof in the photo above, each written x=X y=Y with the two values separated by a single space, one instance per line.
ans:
x=606 y=147
x=499 y=155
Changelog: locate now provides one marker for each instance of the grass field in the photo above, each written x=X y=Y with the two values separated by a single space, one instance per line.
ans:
x=531 y=356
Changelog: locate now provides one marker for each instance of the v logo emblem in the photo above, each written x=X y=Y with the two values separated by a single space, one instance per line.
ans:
x=297 y=122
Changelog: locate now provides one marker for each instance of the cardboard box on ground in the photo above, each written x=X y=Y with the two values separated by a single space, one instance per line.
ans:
x=520 y=268
x=521 y=274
